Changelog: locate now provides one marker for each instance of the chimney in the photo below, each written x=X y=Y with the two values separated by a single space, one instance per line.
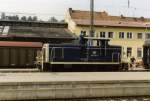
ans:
x=122 y=17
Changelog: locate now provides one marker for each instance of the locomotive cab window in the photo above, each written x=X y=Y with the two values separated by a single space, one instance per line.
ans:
x=83 y=32
x=98 y=43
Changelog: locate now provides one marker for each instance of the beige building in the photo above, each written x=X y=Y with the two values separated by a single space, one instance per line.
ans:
x=129 y=32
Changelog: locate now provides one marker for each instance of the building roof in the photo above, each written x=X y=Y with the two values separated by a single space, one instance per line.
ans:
x=82 y=18
x=20 y=44
x=35 y=31
x=42 y=32
x=33 y=24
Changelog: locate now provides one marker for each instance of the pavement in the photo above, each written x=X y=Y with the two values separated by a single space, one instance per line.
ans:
x=20 y=70
x=62 y=77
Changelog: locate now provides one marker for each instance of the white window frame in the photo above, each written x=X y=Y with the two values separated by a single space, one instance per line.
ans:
x=103 y=32
x=140 y=53
x=129 y=35
x=142 y=35
x=146 y=35
x=122 y=36
x=129 y=55
x=112 y=34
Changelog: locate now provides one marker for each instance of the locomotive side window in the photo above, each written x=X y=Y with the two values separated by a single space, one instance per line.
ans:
x=129 y=52
x=98 y=43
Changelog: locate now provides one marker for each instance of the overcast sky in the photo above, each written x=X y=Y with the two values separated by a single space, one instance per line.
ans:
x=46 y=8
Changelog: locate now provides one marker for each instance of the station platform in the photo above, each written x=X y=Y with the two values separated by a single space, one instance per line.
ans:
x=16 y=70
x=36 y=86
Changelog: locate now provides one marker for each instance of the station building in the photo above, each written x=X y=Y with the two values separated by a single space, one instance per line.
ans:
x=129 y=32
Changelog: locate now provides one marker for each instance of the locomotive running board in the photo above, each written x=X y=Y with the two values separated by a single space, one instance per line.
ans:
x=89 y=63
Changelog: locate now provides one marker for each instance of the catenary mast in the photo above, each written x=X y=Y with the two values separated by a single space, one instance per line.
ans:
x=91 y=34
x=92 y=17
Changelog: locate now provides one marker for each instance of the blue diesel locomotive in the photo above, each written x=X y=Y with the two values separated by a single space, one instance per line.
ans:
x=82 y=57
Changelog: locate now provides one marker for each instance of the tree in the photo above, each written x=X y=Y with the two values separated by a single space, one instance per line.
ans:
x=53 y=20
x=23 y=18
x=62 y=21
x=35 y=18
x=30 y=18
x=3 y=16
x=15 y=17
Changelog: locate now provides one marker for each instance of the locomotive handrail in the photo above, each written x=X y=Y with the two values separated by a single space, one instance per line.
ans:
x=53 y=51
x=51 y=55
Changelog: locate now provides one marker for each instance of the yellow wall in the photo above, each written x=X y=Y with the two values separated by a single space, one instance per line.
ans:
x=134 y=43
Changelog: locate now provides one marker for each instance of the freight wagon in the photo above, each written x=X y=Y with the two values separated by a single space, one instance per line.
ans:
x=18 y=54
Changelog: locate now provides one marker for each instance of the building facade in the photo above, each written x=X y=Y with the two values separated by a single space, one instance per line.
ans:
x=128 y=32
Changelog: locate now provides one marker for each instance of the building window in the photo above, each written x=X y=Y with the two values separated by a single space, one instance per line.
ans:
x=110 y=34
x=129 y=52
x=139 y=35
x=121 y=35
x=129 y=35
x=102 y=34
x=147 y=35
x=139 y=52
